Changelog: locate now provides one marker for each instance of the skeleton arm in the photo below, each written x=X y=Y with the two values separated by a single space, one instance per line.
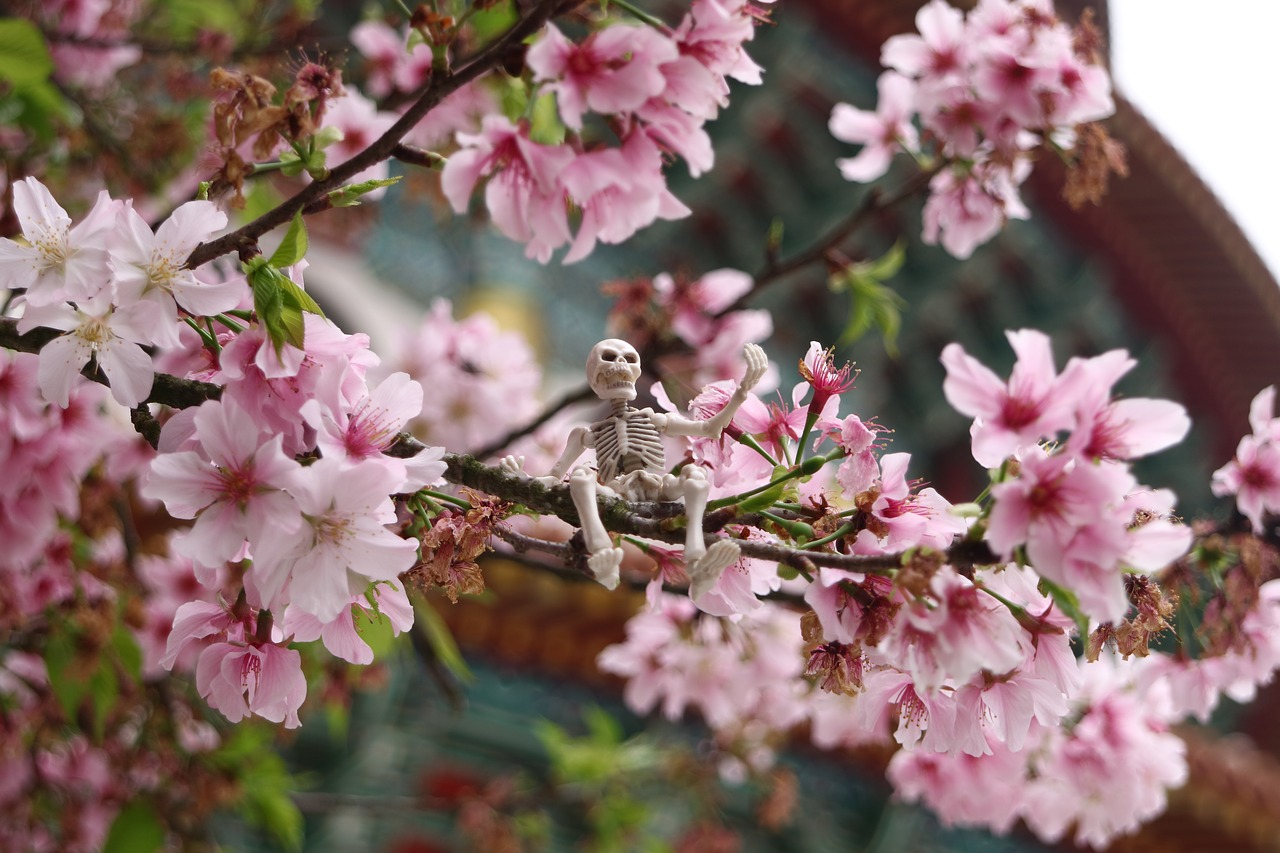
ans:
x=579 y=440
x=713 y=426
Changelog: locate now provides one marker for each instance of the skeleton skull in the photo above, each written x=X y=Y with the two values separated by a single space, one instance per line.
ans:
x=612 y=370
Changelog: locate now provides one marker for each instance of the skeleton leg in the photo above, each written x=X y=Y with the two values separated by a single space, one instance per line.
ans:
x=704 y=565
x=604 y=560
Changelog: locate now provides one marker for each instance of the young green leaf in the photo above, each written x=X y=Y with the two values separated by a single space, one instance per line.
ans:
x=349 y=196
x=293 y=246
x=136 y=829
x=24 y=56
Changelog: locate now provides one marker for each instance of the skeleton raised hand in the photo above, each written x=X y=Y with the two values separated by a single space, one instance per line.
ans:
x=630 y=463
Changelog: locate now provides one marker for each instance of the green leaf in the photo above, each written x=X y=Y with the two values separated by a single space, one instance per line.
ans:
x=765 y=499
x=60 y=658
x=24 y=56
x=274 y=810
x=490 y=23
x=604 y=728
x=1068 y=603
x=545 y=126
x=349 y=196
x=267 y=301
x=127 y=652
x=442 y=642
x=136 y=829
x=104 y=689
x=377 y=631
x=887 y=265
x=293 y=246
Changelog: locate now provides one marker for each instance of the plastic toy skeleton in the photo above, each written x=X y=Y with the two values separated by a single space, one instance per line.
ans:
x=630 y=463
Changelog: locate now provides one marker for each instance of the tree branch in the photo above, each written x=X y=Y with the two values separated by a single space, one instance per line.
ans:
x=873 y=202
x=381 y=149
x=575 y=396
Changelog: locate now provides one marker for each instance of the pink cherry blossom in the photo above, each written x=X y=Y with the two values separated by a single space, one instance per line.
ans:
x=99 y=331
x=940 y=53
x=1035 y=403
x=620 y=191
x=524 y=194
x=392 y=64
x=1253 y=476
x=484 y=381
x=956 y=633
x=1108 y=428
x=373 y=424
x=263 y=680
x=961 y=789
x=341 y=636
x=234 y=487
x=859 y=469
x=1071 y=517
x=62 y=261
x=965 y=211
x=882 y=133
x=613 y=70
x=361 y=123
x=344 y=544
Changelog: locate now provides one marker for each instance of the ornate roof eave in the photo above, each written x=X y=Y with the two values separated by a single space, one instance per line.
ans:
x=1183 y=269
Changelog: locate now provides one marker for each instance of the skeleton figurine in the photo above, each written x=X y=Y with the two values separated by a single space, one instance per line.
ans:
x=630 y=463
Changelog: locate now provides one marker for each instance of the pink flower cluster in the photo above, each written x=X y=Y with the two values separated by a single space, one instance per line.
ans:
x=484 y=381
x=654 y=88
x=1106 y=769
x=1072 y=508
x=45 y=453
x=987 y=87
x=1253 y=476
x=743 y=678
x=111 y=284
x=80 y=23
x=317 y=535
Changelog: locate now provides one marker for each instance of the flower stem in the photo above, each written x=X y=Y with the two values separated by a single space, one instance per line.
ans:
x=638 y=13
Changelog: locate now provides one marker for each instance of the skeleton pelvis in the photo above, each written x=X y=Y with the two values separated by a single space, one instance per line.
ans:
x=643 y=485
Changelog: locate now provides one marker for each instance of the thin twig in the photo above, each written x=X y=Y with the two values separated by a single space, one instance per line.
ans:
x=575 y=396
x=873 y=202
x=432 y=93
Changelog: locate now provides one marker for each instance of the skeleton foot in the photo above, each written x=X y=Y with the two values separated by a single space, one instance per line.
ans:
x=706 y=570
x=605 y=564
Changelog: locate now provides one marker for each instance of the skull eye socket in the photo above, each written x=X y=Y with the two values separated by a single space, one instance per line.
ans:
x=631 y=358
x=608 y=355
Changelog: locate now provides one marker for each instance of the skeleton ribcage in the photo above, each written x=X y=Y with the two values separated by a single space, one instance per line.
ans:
x=628 y=443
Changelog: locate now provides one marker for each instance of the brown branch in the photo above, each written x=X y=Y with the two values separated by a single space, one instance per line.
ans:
x=415 y=156
x=165 y=389
x=575 y=396
x=873 y=203
x=432 y=93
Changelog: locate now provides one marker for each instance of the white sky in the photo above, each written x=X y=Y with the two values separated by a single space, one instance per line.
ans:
x=1207 y=74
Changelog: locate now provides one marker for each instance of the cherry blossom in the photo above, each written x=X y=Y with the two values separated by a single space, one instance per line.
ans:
x=149 y=269
x=881 y=134
x=1035 y=403
x=1253 y=476
x=342 y=547
x=234 y=487
x=263 y=680
x=61 y=261
x=613 y=70
x=524 y=195
x=96 y=330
